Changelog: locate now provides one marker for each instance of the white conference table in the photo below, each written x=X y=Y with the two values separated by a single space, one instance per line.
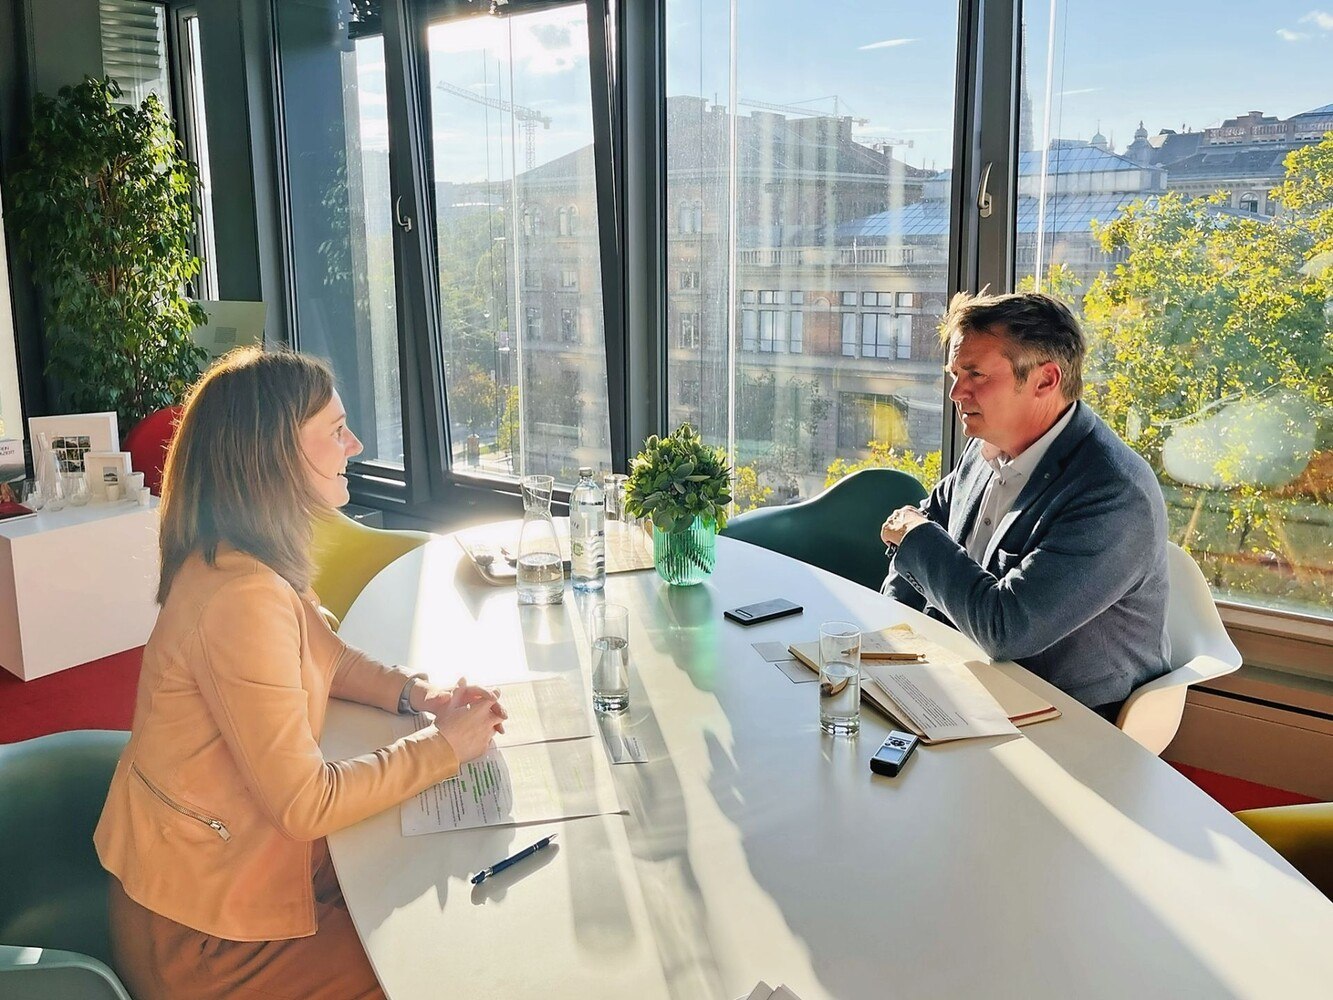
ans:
x=1065 y=863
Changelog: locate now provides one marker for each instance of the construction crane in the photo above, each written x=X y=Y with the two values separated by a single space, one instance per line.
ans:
x=530 y=117
x=883 y=140
x=792 y=109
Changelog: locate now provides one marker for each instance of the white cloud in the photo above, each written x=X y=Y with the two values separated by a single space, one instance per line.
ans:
x=1288 y=35
x=542 y=46
x=1320 y=18
x=888 y=43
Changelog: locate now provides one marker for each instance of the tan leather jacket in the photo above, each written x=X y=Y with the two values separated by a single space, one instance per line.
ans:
x=222 y=787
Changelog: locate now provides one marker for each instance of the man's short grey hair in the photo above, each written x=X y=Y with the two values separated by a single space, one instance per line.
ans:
x=1037 y=327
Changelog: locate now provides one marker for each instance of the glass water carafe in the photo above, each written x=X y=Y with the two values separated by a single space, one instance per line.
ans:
x=541 y=570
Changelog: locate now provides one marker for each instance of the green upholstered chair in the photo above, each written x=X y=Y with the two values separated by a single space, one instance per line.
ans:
x=347 y=554
x=54 y=941
x=838 y=530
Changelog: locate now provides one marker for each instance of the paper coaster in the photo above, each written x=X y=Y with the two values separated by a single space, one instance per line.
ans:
x=772 y=651
x=796 y=671
x=625 y=749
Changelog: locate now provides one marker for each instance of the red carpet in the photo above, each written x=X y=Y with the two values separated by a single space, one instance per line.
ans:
x=100 y=695
x=96 y=695
x=1236 y=793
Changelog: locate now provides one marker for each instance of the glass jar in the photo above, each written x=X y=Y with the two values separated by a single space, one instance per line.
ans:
x=539 y=565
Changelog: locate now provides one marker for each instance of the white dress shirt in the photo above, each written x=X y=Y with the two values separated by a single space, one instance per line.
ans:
x=1007 y=481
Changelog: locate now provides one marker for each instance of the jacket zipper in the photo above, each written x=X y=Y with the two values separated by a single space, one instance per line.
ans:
x=216 y=825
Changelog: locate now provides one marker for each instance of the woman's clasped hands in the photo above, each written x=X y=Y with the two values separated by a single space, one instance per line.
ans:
x=468 y=716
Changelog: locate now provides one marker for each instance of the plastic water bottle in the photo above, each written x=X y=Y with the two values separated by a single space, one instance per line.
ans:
x=587 y=534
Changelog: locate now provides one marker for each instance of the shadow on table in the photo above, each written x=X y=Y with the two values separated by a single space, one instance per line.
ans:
x=1071 y=944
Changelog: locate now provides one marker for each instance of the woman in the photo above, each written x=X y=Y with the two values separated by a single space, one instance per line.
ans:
x=215 y=822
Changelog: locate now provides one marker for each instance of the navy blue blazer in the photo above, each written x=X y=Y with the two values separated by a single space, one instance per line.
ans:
x=1073 y=584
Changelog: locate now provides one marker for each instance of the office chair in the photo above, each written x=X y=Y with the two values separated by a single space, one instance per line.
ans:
x=1200 y=651
x=1302 y=834
x=347 y=554
x=148 y=441
x=54 y=938
x=838 y=530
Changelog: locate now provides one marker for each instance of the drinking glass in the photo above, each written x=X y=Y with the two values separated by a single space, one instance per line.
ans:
x=76 y=489
x=610 y=658
x=613 y=484
x=840 y=678
x=31 y=494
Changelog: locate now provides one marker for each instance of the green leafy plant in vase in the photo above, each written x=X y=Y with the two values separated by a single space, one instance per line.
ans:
x=684 y=485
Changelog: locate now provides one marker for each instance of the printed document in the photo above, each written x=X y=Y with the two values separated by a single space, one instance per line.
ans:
x=942 y=701
x=535 y=783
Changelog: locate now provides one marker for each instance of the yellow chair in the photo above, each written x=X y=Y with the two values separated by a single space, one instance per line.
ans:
x=1302 y=834
x=347 y=554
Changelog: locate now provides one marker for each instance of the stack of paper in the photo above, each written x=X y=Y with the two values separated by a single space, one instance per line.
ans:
x=939 y=696
x=763 y=991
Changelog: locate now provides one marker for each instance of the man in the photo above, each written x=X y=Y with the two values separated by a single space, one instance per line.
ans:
x=1047 y=544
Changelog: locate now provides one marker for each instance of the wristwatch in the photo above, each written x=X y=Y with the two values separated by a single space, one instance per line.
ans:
x=405 y=699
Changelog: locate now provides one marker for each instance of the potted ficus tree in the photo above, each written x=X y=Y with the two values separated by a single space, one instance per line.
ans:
x=103 y=206
x=684 y=485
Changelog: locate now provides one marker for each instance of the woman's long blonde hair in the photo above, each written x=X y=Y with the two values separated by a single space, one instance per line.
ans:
x=236 y=472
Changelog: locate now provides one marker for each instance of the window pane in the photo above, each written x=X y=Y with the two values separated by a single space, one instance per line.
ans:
x=1186 y=234
x=840 y=204
x=134 y=49
x=337 y=146
x=517 y=230
x=197 y=135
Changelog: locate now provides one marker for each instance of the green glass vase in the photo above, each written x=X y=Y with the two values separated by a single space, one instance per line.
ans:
x=684 y=558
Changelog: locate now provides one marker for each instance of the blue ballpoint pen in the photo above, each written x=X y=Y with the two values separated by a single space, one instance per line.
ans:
x=500 y=866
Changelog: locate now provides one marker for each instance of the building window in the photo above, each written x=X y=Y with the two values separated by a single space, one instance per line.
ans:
x=849 y=335
x=796 y=339
x=569 y=326
x=689 y=331
x=689 y=279
x=903 y=332
x=532 y=325
x=749 y=330
x=768 y=298
x=573 y=220
x=849 y=300
x=878 y=339
x=562 y=221
x=1249 y=202
x=866 y=417
x=797 y=298
x=569 y=279
x=196 y=137
x=770 y=339
x=749 y=297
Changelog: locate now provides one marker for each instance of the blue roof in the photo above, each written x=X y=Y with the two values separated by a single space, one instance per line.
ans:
x=1074 y=160
x=1327 y=109
x=1065 y=213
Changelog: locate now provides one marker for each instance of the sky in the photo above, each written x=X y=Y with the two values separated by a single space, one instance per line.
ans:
x=890 y=64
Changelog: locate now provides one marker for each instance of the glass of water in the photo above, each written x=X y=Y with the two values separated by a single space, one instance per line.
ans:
x=613 y=484
x=610 y=658
x=840 y=678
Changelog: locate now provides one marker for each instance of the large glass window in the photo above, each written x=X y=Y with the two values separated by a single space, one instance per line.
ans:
x=807 y=188
x=196 y=137
x=1191 y=233
x=342 y=219
x=518 y=237
x=134 y=49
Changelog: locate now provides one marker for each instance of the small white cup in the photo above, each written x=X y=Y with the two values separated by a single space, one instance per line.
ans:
x=113 y=491
x=145 y=496
x=134 y=484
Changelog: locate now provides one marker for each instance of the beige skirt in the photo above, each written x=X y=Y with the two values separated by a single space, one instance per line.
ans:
x=159 y=959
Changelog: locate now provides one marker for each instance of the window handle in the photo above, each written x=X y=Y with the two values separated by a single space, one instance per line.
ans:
x=983 y=195
x=404 y=221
